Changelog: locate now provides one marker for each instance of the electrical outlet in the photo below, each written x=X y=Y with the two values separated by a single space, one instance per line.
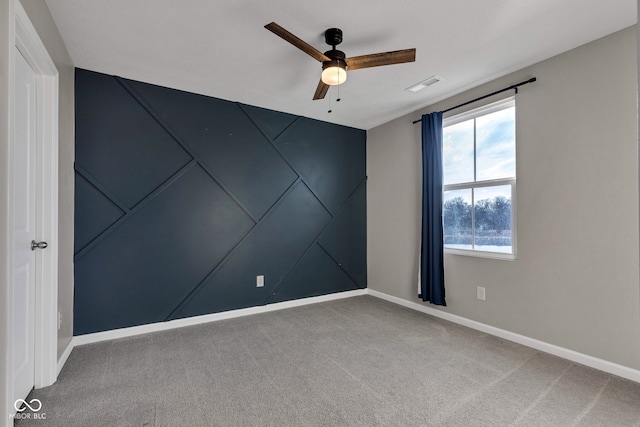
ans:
x=480 y=293
x=59 y=320
x=259 y=281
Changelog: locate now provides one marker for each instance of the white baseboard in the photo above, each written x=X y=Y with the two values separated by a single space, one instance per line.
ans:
x=64 y=357
x=196 y=320
x=565 y=353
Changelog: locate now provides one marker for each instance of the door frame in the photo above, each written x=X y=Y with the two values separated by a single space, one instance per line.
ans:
x=29 y=44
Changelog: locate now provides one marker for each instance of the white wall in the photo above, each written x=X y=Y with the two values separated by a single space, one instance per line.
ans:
x=575 y=283
x=41 y=19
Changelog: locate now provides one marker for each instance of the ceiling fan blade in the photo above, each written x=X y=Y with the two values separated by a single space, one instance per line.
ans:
x=378 y=59
x=321 y=90
x=297 y=42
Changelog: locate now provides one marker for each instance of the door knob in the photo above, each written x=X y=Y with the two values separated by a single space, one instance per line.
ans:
x=38 y=245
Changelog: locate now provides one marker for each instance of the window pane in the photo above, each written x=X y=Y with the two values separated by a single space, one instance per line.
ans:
x=492 y=215
x=496 y=145
x=457 y=219
x=457 y=153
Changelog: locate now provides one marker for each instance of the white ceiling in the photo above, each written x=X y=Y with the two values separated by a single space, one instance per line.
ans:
x=220 y=48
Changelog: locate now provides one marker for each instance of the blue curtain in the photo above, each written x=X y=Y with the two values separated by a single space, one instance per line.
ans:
x=432 y=247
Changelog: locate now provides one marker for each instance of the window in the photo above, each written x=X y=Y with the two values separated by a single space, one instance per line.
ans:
x=479 y=162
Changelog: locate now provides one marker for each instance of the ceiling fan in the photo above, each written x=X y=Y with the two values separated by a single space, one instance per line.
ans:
x=334 y=62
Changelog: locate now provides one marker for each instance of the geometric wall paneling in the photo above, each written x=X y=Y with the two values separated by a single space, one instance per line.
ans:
x=153 y=260
x=228 y=143
x=271 y=249
x=95 y=212
x=331 y=159
x=117 y=140
x=182 y=200
x=316 y=274
x=272 y=123
x=350 y=253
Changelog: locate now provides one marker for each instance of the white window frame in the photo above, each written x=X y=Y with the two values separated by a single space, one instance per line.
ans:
x=468 y=115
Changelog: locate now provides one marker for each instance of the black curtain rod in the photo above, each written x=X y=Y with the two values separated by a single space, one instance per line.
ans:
x=514 y=87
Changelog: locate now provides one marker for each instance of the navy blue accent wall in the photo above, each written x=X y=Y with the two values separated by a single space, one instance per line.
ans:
x=182 y=200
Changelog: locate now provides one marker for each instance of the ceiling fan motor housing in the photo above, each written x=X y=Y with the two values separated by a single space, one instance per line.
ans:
x=337 y=59
x=335 y=55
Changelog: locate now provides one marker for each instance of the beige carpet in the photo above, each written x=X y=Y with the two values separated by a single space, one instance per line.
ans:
x=354 y=362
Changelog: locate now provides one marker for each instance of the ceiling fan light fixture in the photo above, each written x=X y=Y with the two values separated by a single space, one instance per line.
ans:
x=334 y=72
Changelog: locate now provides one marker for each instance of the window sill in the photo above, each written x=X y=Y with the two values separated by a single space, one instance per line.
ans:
x=480 y=254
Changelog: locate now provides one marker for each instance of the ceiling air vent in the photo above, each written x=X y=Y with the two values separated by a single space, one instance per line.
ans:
x=425 y=83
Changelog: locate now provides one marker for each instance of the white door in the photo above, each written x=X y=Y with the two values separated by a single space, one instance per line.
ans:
x=24 y=228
